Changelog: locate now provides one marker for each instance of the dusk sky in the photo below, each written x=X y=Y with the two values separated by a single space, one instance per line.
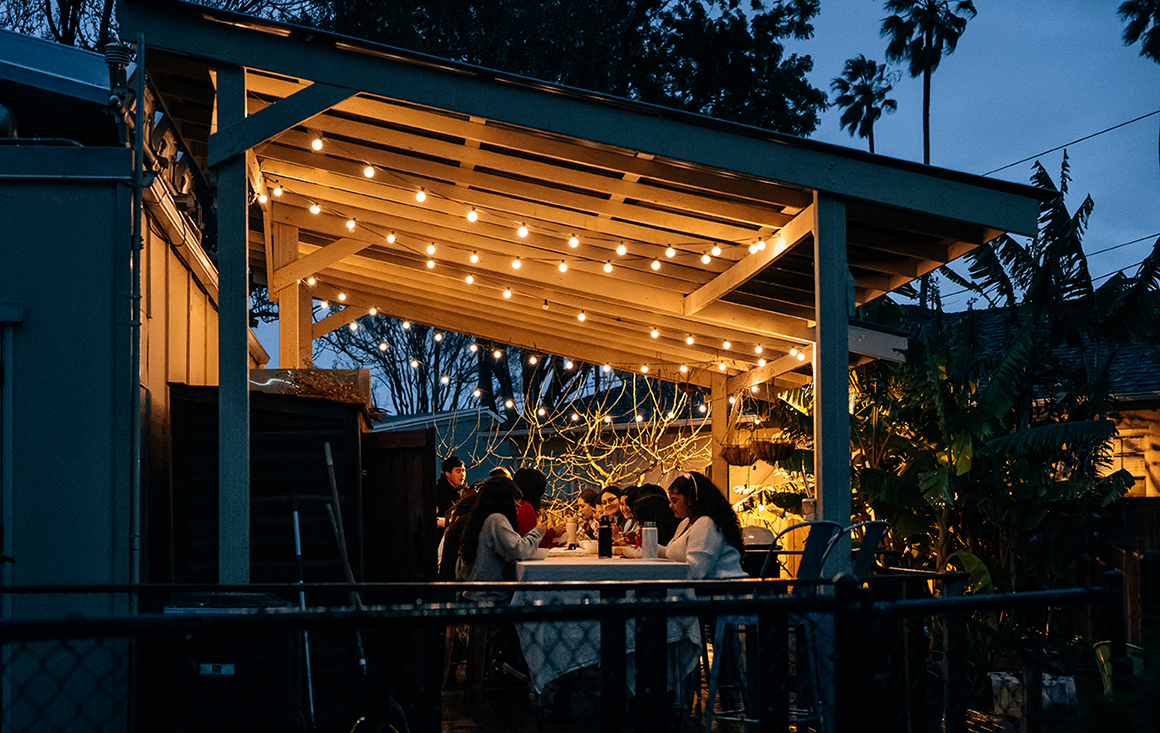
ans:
x=1028 y=76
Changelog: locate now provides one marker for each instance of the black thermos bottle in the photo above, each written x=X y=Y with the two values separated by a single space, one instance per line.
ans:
x=604 y=538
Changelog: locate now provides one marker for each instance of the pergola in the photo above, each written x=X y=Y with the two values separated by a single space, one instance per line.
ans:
x=640 y=219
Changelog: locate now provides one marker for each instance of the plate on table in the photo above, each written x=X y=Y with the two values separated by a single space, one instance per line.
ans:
x=541 y=553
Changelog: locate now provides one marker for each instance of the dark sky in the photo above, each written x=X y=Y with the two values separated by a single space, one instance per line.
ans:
x=1028 y=76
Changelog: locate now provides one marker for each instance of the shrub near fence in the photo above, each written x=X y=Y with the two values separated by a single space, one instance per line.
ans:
x=247 y=670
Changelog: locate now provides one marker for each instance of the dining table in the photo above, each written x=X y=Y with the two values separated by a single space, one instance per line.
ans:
x=555 y=648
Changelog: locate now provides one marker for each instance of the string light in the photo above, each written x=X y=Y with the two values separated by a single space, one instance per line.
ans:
x=670 y=414
x=644 y=369
x=656 y=264
x=793 y=351
x=353 y=326
x=573 y=242
x=342 y=297
x=732 y=400
x=316 y=143
x=263 y=198
x=654 y=333
x=721 y=366
x=567 y=363
x=350 y=223
x=473 y=348
x=608 y=418
x=546 y=306
x=497 y=354
x=607 y=368
x=438 y=337
x=476 y=394
x=760 y=244
x=507 y=293
x=533 y=360
x=383 y=346
x=639 y=417
x=726 y=345
x=445 y=379
x=581 y=317
x=689 y=340
x=761 y=362
x=757 y=349
x=684 y=369
x=801 y=356
x=509 y=404
x=522 y=231
x=541 y=412
x=369 y=171
x=430 y=264
x=702 y=409
x=753 y=249
x=562 y=267
x=753 y=389
x=324 y=305
x=431 y=249
x=516 y=263
x=472 y=215
x=373 y=311
x=414 y=363
x=277 y=190
x=575 y=417
x=391 y=238
x=705 y=259
x=716 y=251
x=310 y=280
x=406 y=325
x=469 y=279
x=622 y=250
x=420 y=195
x=474 y=258
x=670 y=252
x=608 y=267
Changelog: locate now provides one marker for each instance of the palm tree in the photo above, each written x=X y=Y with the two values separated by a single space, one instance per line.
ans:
x=862 y=90
x=1141 y=14
x=921 y=32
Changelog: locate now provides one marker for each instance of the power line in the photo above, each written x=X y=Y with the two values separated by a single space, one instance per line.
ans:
x=1073 y=142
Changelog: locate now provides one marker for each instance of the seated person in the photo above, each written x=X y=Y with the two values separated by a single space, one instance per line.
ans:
x=649 y=507
x=709 y=535
x=610 y=503
x=589 y=504
x=533 y=483
x=491 y=544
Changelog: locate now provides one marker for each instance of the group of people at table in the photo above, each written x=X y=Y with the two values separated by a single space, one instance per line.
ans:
x=491 y=525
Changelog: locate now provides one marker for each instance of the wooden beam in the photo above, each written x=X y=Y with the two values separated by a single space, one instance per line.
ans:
x=739 y=274
x=273 y=120
x=781 y=367
x=317 y=261
x=878 y=345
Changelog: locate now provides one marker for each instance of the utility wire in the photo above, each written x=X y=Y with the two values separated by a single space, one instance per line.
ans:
x=1073 y=142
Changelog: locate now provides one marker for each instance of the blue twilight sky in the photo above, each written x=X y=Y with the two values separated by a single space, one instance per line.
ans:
x=1028 y=76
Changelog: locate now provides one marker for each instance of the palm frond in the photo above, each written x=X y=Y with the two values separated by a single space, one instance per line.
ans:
x=1081 y=436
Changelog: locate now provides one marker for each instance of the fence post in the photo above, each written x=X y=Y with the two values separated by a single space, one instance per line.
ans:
x=1121 y=665
x=955 y=683
x=1150 y=608
x=652 y=669
x=773 y=667
x=613 y=695
x=849 y=688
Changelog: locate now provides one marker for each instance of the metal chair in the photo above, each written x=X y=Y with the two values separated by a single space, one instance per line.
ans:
x=873 y=533
x=818 y=542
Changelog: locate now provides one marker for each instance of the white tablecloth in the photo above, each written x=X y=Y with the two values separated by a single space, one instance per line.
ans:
x=555 y=648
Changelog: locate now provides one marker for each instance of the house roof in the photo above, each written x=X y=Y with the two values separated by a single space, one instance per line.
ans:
x=562 y=162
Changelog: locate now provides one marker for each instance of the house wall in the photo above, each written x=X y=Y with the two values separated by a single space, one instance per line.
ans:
x=1137 y=449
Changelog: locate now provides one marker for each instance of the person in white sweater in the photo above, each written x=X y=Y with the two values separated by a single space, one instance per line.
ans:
x=709 y=535
x=491 y=544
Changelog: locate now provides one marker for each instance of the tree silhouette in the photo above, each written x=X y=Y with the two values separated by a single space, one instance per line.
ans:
x=1143 y=18
x=921 y=32
x=862 y=90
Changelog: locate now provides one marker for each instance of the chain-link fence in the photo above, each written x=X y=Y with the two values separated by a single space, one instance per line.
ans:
x=648 y=656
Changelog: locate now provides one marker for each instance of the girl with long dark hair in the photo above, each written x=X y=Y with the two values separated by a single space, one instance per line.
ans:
x=491 y=544
x=709 y=535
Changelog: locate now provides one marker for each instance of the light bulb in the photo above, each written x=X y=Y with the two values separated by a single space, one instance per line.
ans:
x=310 y=280
x=383 y=346
x=522 y=231
x=369 y=171
x=474 y=258
x=508 y=404
x=568 y=364
x=716 y=251
x=430 y=264
x=406 y=325
x=474 y=348
x=469 y=279
x=670 y=252
x=684 y=369
x=654 y=333
x=314 y=209
x=324 y=305
x=445 y=379
x=350 y=223
x=753 y=249
x=507 y=293
x=706 y=259
x=689 y=340
x=757 y=349
x=608 y=267
x=516 y=263
x=472 y=215
x=475 y=393
x=732 y=399
x=581 y=317
x=575 y=417
x=761 y=362
x=277 y=190
x=263 y=198
x=391 y=238
x=438 y=337
x=721 y=366
x=656 y=264
x=670 y=414
x=726 y=345
x=753 y=389
x=420 y=195
x=353 y=326
x=430 y=249
x=497 y=354
x=801 y=356
x=607 y=368
x=644 y=369
x=541 y=412
x=639 y=418
x=562 y=267
x=342 y=297
x=373 y=311
x=414 y=363
x=533 y=360
x=546 y=306
x=316 y=143
x=793 y=351
x=621 y=250
x=608 y=418
x=573 y=242
x=702 y=408
x=760 y=244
